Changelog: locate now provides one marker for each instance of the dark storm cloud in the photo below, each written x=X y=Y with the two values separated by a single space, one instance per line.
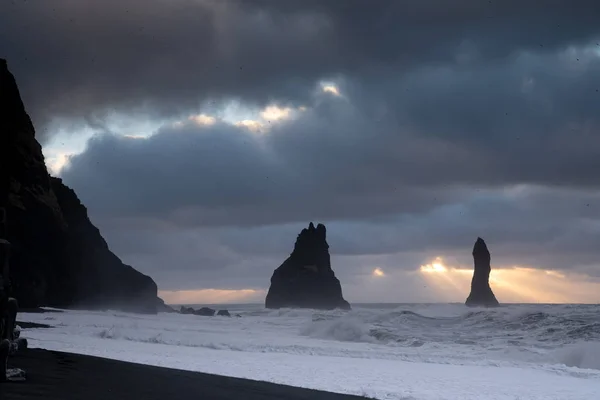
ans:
x=397 y=183
x=342 y=158
x=528 y=119
x=76 y=58
x=443 y=109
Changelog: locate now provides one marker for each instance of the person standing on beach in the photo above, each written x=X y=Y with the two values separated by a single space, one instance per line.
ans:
x=8 y=305
x=4 y=299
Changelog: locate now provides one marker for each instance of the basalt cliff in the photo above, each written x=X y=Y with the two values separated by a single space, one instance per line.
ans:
x=58 y=257
x=305 y=279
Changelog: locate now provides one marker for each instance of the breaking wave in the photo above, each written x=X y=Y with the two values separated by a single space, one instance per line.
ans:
x=439 y=344
x=556 y=334
x=580 y=355
x=559 y=338
x=557 y=325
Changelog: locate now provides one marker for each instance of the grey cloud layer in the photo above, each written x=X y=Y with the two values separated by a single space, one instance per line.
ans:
x=406 y=151
x=393 y=183
x=83 y=58
x=544 y=228
x=444 y=108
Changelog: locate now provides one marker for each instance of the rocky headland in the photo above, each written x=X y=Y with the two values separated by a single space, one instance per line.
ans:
x=58 y=257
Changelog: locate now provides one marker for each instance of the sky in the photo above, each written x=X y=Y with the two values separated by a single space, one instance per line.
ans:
x=204 y=135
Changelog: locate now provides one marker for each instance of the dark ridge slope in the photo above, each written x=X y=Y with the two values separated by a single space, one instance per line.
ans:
x=59 y=258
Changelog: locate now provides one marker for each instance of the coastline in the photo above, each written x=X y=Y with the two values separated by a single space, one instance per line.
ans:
x=53 y=375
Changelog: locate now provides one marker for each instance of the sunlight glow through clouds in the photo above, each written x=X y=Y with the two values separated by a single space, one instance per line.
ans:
x=57 y=162
x=203 y=119
x=378 y=272
x=266 y=118
x=250 y=124
x=513 y=285
x=274 y=113
x=68 y=143
x=70 y=139
x=330 y=88
x=435 y=266
x=212 y=296
x=255 y=122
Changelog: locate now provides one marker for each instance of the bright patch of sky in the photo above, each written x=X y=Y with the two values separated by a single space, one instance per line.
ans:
x=69 y=139
x=330 y=88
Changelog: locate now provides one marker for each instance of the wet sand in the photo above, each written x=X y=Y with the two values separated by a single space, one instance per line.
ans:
x=63 y=376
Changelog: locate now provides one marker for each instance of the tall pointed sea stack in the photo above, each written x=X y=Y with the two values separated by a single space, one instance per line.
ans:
x=58 y=257
x=481 y=292
x=305 y=279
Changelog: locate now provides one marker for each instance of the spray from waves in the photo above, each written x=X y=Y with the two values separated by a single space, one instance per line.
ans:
x=373 y=328
x=580 y=355
x=342 y=329
x=528 y=328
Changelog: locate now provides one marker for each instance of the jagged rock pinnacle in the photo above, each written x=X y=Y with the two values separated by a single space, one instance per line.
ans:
x=481 y=292
x=305 y=279
x=480 y=246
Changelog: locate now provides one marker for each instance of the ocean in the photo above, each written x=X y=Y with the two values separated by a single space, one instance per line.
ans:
x=383 y=351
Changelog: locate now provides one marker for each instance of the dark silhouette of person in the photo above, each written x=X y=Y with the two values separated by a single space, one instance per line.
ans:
x=5 y=306
x=8 y=305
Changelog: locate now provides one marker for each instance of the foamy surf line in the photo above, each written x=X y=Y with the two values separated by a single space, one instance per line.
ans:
x=381 y=379
x=276 y=348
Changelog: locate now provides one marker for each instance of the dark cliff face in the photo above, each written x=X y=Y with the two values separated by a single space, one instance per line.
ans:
x=100 y=276
x=305 y=279
x=481 y=292
x=58 y=257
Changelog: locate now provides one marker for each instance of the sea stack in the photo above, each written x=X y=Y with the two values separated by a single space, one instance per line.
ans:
x=58 y=257
x=305 y=279
x=481 y=292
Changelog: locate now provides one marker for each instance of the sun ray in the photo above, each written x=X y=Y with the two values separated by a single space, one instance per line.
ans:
x=513 y=284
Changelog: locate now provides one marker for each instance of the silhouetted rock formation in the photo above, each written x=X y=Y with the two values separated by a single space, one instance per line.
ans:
x=481 y=292
x=224 y=313
x=305 y=279
x=204 y=311
x=59 y=258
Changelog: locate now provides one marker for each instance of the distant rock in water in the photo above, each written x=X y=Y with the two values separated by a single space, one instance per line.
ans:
x=186 y=310
x=481 y=293
x=58 y=258
x=203 y=312
x=305 y=279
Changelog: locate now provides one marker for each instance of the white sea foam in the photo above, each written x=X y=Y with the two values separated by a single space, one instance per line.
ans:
x=387 y=352
x=582 y=355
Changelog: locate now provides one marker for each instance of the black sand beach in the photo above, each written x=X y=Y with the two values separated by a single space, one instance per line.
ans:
x=63 y=376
